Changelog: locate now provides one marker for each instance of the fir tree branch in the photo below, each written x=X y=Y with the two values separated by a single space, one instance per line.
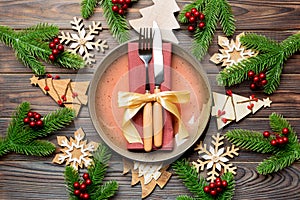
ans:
x=117 y=24
x=227 y=20
x=3 y=147
x=229 y=192
x=88 y=7
x=260 y=43
x=184 y=197
x=106 y=191
x=190 y=177
x=71 y=176
x=30 y=47
x=251 y=140
x=34 y=148
x=291 y=45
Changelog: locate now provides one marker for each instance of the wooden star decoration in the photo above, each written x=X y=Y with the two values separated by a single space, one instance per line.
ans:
x=232 y=52
x=75 y=152
x=148 y=174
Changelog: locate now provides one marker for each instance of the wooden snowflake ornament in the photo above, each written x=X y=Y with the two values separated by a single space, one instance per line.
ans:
x=64 y=91
x=148 y=174
x=216 y=158
x=164 y=17
x=232 y=52
x=75 y=152
x=82 y=42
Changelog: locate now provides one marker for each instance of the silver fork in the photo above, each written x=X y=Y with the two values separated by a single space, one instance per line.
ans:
x=145 y=53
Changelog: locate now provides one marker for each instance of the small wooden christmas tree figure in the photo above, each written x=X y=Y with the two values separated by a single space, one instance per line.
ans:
x=162 y=13
x=64 y=92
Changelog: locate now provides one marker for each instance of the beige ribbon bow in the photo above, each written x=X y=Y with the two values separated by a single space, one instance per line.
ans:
x=133 y=102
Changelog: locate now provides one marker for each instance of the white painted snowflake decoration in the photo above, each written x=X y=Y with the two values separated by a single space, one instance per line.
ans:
x=232 y=52
x=83 y=41
x=216 y=158
x=75 y=152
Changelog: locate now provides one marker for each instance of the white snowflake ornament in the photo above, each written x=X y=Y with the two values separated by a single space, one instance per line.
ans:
x=232 y=52
x=75 y=152
x=83 y=41
x=216 y=158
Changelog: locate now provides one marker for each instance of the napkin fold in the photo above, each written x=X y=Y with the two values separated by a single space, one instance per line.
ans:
x=137 y=81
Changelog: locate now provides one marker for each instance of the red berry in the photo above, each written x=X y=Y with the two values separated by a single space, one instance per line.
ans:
x=252 y=86
x=255 y=79
x=263 y=82
x=81 y=195
x=262 y=76
x=88 y=182
x=37 y=116
x=285 y=139
x=60 y=103
x=83 y=186
x=206 y=189
x=224 y=183
x=124 y=6
x=51 y=57
x=39 y=123
x=32 y=124
x=76 y=185
x=266 y=134
x=285 y=131
x=49 y=76
x=127 y=1
x=218 y=180
x=55 y=52
x=86 y=196
x=52 y=45
x=121 y=1
x=57 y=77
x=192 y=19
x=46 y=88
x=115 y=8
x=191 y=28
x=212 y=185
x=56 y=40
x=280 y=141
x=188 y=15
x=218 y=183
x=273 y=142
x=85 y=176
x=213 y=192
x=201 y=16
x=114 y=1
x=77 y=192
x=26 y=120
x=196 y=14
x=219 y=189
x=193 y=10
x=251 y=74
x=60 y=47
x=229 y=92
x=63 y=97
x=30 y=114
x=201 y=25
x=121 y=12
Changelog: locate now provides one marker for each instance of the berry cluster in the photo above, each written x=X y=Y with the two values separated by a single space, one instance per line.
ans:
x=119 y=6
x=80 y=189
x=56 y=47
x=216 y=187
x=34 y=120
x=259 y=80
x=193 y=17
x=279 y=140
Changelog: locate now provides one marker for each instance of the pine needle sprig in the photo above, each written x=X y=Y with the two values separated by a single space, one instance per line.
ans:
x=31 y=45
x=283 y=156
x=23 y=139
x=97 y=190
x=88 y=8
x=195 y=183
x=270 y=59
x=214 y=11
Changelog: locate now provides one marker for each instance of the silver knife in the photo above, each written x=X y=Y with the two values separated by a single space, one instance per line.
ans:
x=159 y=78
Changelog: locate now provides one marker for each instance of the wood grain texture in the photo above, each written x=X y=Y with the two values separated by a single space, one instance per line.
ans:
x=29 y=177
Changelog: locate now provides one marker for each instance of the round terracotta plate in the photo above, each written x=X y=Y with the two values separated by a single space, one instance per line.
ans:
x=111 y=76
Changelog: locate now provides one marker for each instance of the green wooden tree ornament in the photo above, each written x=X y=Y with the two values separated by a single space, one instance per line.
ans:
x=283 y=155
x=270 y=60
x=23 y=139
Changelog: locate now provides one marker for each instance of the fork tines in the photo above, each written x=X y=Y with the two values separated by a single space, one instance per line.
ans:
x=146 y=38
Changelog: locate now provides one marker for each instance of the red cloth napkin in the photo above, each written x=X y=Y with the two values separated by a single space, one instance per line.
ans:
x=137 y=81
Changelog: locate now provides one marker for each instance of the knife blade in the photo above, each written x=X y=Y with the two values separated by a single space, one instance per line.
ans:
x=159 y=79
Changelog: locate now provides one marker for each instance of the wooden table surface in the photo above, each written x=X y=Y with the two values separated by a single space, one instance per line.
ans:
x=29 y=177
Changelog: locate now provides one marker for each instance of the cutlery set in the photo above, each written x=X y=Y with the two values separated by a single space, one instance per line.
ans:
x=150 y=45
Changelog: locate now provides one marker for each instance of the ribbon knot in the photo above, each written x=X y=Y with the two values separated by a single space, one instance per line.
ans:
x=133 y=102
